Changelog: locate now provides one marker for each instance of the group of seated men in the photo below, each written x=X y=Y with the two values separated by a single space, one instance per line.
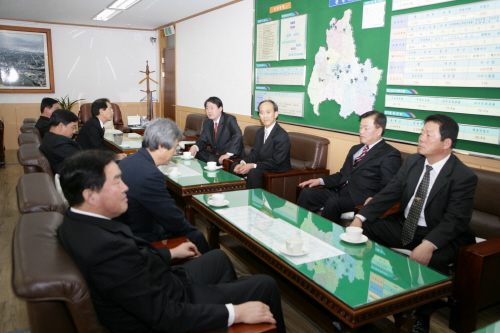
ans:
x=125 y=206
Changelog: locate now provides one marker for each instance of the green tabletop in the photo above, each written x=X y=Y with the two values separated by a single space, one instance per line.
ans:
x=356 y=274
x=125 y=140
x=493 y=328
x=193 y=172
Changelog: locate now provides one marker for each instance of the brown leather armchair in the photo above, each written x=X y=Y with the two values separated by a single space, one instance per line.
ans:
x=25 y=138
x=33 y=160
x=85 y=114
x=194 y=123
x=36 y=192
x=29 y=120
x=30 y=128
x=308 y=156
x=57 y=296
x=2 y=145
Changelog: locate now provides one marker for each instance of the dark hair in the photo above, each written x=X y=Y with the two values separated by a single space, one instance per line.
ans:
x=98 y=105
x=269 y=101
x=62 y=116
x=214 y=100
x=84 y=170
x=380 y=119
x=448 y=127
x=161 y=132
x=47 y=102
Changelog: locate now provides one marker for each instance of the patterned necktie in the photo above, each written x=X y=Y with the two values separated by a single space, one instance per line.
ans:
x=411 y=222
x=266 y=133
x=360 y=157
x=215 y=130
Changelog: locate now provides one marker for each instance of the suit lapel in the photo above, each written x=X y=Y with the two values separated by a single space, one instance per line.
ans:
x=442 y=178
x=270 y=137
x=412 y=180
x=374 y=151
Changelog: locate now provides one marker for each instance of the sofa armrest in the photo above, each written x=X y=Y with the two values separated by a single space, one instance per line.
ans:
x=284 y=184
x=299 y=189
x=390 y=211
x=170 y=243
x=227 y=163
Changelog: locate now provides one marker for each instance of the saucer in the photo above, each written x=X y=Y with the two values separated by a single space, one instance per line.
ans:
x=285 y=251
x=345 y=239
x=226 y=202
x=206 y=168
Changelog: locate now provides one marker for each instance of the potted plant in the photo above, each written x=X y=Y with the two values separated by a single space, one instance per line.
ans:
x=66 y=103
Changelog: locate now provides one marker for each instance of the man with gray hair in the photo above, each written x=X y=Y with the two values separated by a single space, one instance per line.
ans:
x=152 y=214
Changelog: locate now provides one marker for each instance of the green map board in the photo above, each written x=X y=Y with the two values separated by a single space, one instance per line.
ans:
x=370 y=46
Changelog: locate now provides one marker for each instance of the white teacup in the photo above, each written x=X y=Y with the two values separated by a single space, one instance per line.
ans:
x=173 y=171
x=186 y=154
x=211 y=165
x=294 y=244
x=218 y=199
x=353 y=233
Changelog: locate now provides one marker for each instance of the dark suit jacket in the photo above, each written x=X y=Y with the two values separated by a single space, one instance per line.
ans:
x=152 y=214
x=57 y=148
x=42 y=124
x=229 y=137
x=371 y=174
x=448 y=209
x=132 y=284
x=91 y=135
x=274 y=155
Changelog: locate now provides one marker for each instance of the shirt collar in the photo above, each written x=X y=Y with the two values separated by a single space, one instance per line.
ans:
x=438 y=165
x=373 y=144
x=270 y=128
x=78 y=211
x=100 y=122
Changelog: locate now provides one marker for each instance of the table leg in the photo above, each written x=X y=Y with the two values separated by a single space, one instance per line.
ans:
x=189 y=213
x=213 y=236
x=404 y=321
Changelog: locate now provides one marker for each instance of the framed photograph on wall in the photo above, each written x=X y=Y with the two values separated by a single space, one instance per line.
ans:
x=25 y=60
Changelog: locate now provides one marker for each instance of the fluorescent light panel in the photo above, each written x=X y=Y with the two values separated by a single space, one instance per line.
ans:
x=123 y=4
x=106 y=14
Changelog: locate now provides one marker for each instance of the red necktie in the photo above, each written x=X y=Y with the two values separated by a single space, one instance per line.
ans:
x=215 y=130
x=360 y=157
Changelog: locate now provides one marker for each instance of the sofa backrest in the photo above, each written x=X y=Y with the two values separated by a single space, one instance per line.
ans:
x=249 y=138
x=25 y=138
x=194 y=124
x=86 y=113
x=30 y=128
x=308 y=151
x=486 y=215
x=33 y=160
x=49 y=281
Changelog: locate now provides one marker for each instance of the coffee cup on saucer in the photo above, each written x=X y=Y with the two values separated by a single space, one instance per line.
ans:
x=186 y=155
x=211 y=165
x=218 y=199
x=294 y=244
x=353 y=233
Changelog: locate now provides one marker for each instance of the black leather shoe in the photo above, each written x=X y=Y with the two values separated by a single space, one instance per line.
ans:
x=422 y=324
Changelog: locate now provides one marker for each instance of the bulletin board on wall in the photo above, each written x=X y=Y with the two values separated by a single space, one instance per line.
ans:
x=326 y=62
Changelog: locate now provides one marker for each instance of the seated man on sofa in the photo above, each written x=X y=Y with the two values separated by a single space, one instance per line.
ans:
x=47 y=106
x=221 y=132
x=57 y=144
x=436 y=194
x=271 y=151
x=152 y=213
x=368 y=167
x=91 y=135
x=133 y=285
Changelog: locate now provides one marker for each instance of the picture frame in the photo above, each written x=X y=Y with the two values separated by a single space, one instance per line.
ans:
x=26 y=60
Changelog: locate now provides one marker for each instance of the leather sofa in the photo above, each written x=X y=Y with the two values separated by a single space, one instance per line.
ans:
x=194 y=124
x=2 y=146
x=30 y=128
x=24 y=138
x=30 y=120
x=57 y=297
x=308 y=157
x=36 y=192
x=33 y=160
x=85 y=114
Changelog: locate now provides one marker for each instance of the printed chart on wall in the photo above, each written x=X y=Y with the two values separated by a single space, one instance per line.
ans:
x=325 y=62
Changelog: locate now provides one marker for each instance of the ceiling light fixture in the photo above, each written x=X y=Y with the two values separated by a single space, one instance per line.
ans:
x=106 y=14
x=123 y=4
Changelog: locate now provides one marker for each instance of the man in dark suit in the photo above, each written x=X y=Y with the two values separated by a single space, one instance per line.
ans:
x=57 y=144
x=91 y=135
x=47 y=107
x=133 y=285
x=221 y=132
x=152 y=214
x=271 y=150
x=436 y=194
x=368 y=167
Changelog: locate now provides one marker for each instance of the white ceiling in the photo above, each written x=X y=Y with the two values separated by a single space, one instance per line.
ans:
x=147 y=14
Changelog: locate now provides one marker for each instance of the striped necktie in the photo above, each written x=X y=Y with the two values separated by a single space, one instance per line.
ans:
x=360 y=157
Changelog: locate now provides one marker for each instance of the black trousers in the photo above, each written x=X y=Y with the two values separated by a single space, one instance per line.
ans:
x=215 y=281
x=334 y=203
x=253 y=177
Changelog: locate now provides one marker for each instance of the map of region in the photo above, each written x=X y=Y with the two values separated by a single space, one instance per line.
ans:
x=337 y=74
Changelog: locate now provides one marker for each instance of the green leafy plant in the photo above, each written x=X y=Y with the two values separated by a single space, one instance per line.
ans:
x=66 y=103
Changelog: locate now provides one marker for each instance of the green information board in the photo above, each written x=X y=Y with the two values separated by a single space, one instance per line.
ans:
x=346 y=66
